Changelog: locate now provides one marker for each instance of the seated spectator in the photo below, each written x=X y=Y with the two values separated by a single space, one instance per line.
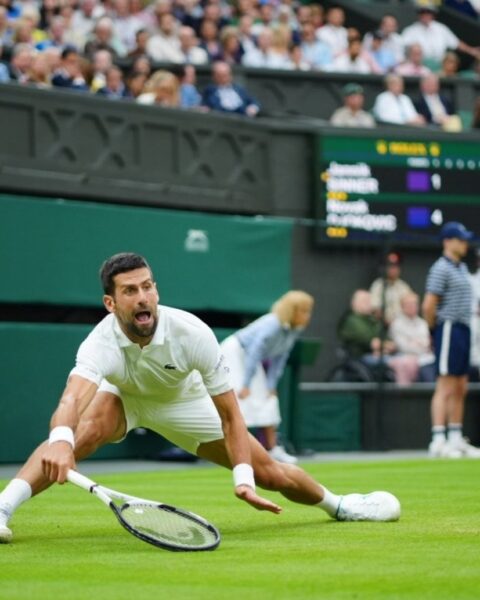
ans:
x=162 y=89
x=225 y=96
x=69 y=75
x=476 y=115
x=140 y=46
x=6 y=29
x=333 y=33
x=413 y=65
x=435 y=38
x=189 y=95
x=126 y=24
x=351 y=114
x=265 y=17
x=379 y=55
x=164 y=45
x=393 y=106
x=388 y=289
x=103 y=37
x=114 y=88
x=315 y=52
x=280 y=55
x=189 y=47
x=4 y=72
x=84 y=19
x=102 y=60
x=297 y=59
x=210 y=40
x=20 y=62
x=435 y=107
x=363 y=337
x=40 y=72
x=142 y=64
x=56 y=35
x=230 y=48
x=135 y=83
x=247 y=40
x=354 y=60
x=392 y=40
x=411 y=336
x=450 y=65
x=260 y=56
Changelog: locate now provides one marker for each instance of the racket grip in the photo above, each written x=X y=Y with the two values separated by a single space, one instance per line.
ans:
x=80 y=480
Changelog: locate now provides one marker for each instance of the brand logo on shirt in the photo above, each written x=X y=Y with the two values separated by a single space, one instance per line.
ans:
x=169 y=366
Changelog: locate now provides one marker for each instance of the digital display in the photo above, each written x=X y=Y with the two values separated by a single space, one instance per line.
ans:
x=370 y=187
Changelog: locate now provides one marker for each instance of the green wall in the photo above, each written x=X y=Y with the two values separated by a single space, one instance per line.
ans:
x=51 y=251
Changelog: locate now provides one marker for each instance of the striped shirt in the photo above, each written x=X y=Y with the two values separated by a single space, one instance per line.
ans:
x=451 y=282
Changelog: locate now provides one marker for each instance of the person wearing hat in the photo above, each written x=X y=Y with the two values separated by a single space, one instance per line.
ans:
x=351 y=114
x=435 y=38
x=447 y=309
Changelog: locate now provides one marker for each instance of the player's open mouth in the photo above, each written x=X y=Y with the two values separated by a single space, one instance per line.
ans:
x=143 y=316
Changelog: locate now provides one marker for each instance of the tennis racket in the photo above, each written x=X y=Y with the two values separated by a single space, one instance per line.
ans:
x=159 y=524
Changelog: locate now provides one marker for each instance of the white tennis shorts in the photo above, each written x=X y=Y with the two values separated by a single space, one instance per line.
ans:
x=186 y=422
x=260 y=409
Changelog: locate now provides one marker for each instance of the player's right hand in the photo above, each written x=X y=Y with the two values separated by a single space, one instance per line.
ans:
x=57 y=459
x=248 y=494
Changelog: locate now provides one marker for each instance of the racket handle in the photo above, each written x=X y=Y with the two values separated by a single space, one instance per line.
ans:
x=80 y=480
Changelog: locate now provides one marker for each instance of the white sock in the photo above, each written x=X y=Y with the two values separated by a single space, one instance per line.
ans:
x=330 y=502
x=438 y=433
x=455 y=433
x=16 y=492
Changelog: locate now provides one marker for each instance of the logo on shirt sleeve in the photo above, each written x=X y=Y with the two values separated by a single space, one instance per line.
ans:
x=169 y=366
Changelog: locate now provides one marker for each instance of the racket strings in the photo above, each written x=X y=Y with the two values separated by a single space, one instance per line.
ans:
x=161 y=524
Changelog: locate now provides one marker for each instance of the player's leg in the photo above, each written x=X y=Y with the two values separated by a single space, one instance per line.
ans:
x=456 y=408
x=296 y=485
x=102 y=422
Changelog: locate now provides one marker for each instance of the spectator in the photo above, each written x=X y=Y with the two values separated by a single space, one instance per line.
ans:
x=333 y=33
x=260 y=56
x=392 y=40
x=316 y=52
x=435 y=107
x=351 y=114
x=161 y=89
x=135 y=84
x=209 y=40
x=450 y=65
x=21 y=62
x=142 y=64
x=83 y=22
x=281 y=37
x=191 y=51
x=230 y=48
x=56 y=35
x=247 y=40
x=353 y=60
x=411 y=336
x=413 y=65
x=6 y=30
x=69 y=75
x=379 y=55
x=114 y=88
x=140 y=46
x=364 y=338
x=164 y=46
x=225 y=96
x=104 y=38
x=257 y=355
x=297 y=59
x=393 y=106
x=189 y=94
x=434 y=37
x=388 y=289
x=266 y=18
x=40 y=72
x=102 y=61
x=4 y=72
x=126 y=25
x=476 y=115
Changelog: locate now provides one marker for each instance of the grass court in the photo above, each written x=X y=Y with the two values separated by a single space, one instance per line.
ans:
x=68 y=545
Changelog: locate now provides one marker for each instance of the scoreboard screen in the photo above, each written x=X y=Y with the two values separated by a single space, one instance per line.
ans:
x=369 y=187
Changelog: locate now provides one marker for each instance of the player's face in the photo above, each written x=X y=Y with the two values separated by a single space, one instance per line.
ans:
x=134 y=303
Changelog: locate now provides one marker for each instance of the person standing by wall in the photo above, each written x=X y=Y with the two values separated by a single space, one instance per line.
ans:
x=256 y=356
x=447 y=310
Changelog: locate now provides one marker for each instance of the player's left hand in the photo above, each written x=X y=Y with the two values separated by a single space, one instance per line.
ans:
x=248 y=494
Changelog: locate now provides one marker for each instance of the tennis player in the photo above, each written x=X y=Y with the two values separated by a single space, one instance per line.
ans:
x=146 y=365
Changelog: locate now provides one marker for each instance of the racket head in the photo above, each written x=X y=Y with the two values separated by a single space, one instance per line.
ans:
x=166 y=526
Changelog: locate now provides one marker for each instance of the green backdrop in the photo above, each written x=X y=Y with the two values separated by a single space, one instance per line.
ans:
x=51 y=251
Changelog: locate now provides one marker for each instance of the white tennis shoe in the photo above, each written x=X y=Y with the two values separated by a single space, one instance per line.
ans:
x=376 y=506
x=281 y=455
x=6 y=534
x=465 y=449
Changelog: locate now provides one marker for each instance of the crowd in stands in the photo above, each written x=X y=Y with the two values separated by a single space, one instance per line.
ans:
x=111 y=47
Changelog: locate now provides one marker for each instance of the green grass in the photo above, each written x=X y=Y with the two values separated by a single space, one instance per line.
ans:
x=68 y=545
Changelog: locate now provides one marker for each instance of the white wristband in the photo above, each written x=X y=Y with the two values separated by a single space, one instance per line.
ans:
x=62 y=434
x=243 y=475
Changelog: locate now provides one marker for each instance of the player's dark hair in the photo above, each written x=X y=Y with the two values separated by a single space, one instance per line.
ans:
x=120 y=263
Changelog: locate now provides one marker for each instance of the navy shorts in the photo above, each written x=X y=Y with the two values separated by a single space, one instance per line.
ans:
x=452 y=348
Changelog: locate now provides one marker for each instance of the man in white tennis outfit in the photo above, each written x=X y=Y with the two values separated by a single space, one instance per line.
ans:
x=146 y=365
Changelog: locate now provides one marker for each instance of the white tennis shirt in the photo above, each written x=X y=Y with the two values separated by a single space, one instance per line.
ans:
x=183 y=360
